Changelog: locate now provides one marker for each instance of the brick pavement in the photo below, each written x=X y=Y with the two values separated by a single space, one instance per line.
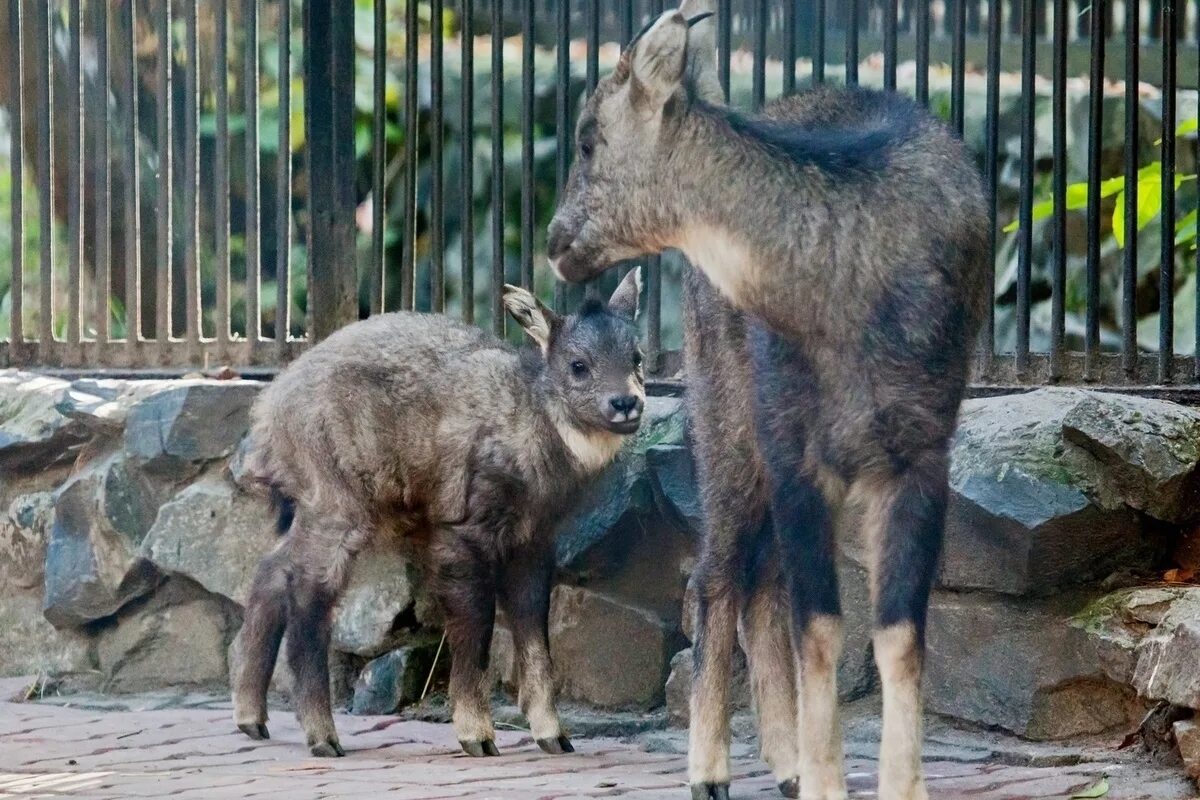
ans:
x=53 y=751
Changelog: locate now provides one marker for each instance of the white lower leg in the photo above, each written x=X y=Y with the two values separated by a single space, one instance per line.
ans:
x=708 y=749
x=773 y=684
x=537 y=692
x=899 y=659
x=822 y=776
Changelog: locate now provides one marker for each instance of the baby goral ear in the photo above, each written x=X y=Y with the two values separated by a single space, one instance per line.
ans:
x=624 y=300
x=658 y=61
x=531 y=314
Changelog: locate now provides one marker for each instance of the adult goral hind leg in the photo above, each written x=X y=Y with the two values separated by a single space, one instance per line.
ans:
x=905 y=519
x=310 y=609
x=768 y=641
x=262 y=630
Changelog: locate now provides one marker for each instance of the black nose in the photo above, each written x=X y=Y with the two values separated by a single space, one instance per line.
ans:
x=559 y=241
x=624 y=404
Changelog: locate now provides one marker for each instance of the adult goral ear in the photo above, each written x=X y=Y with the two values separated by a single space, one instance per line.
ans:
x=531 y=314
x=658 y=61
x=702 y=48
x=624 y=300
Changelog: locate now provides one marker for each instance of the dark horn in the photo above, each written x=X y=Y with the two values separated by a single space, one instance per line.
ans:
x=699 y=18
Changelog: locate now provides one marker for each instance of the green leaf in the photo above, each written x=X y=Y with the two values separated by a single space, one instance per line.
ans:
x=1185 y=228
x=1097 y=789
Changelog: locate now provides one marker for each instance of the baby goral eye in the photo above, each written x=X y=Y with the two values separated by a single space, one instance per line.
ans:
x=579 y=369
x=586 y=149
x=637 y=360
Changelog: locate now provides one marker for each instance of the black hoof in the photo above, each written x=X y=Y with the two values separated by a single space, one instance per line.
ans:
x=480 y=749
x=557 y=746
x=710 y=791
x=790 y=787
x=255 y=730
x=327 y=749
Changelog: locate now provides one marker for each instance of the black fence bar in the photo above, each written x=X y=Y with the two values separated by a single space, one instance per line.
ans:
x=991 y=175
x=1059 y=146
x=45 y=160
x=562 y=111
x=102 y=248
x=437 y=200
x=1091 y=364
x=921 y=10
x=329 y=117
x=761 y=21
x=889 y=43
x=1129 y=277
x=283 y=190
x=253 y=276
x=818 y=42
x=412 y=129
x=1166 y=282
x=527 y=113
x=166 y=180
x=191 y=178
x=593 y=44
x=17 y=173
x=724 y=39
x=497 y=99
x=852 y=24
x=378 y=153
x=1025 y=243
x=221 y=173
x=789 y=48
x=467 y=169
x=131 y=175
x=75 y=173
x=958 y=66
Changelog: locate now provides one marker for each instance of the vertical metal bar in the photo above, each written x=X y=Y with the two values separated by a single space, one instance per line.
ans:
x=527 y=111
x=1095 y=150
x=329 y=55
x=789 y=48
x=379 y=155
x=991 y=172
x=221 y=168
x=437 y=233
x=16 y=165
x=922 y=12
x=1166 y=284
x=852 y=42
x=654 y=263
x=253 y=246
x=724 y=37
x=166 y=181
x=468 y=160
x=818 y=42
x=131 y=177
x=562 y=99
x=45 y=156
x=498 y=166
x=191 y=178
x=283 y=188
x=103 y=247
x=958 y=65
x=626 y=20
x=593 y=44
x=1025 y=234
x=890 y=12
x=759 y=79
x=1059 y=144
x=75 y=172
x=1129 y=354
x=412 y=122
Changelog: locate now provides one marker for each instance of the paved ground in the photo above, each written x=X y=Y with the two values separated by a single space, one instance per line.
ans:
x=58 y=750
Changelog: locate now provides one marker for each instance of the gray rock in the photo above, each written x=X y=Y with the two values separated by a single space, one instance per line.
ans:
x=503 y=659
x=1118 y=622
x=34 y=434
x=609 y=654
x=213 y=534
x=189 y=423
x=380 y=589
x=679 y=687
x=1151 y=449
x=394 y=680
x=1187 y=738
x=92 y=566
x=102 y=405
x=1022 y=666
x=675 y=488
x=29 y=645
x=1030 y=511
x=624 y=487
x=177 y=637
x=24 y=534
x=1166 y=656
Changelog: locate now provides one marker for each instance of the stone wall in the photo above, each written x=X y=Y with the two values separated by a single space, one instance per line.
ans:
x=127 y=545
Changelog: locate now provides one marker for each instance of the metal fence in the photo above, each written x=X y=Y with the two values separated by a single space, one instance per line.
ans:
x=174 y=204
